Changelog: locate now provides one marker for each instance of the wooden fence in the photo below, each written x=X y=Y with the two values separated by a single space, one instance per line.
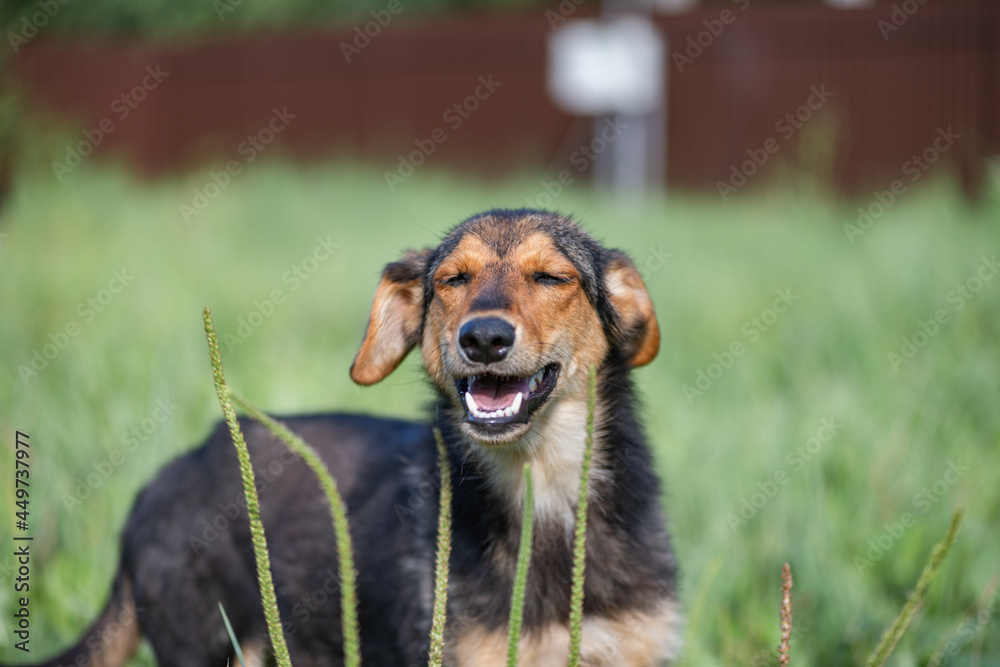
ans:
x=853 y=95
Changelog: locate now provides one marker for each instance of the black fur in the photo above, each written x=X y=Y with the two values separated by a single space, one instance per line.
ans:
x=186 y=545
x=629 y=561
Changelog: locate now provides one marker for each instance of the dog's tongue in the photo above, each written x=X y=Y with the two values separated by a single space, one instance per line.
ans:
x=496 y=393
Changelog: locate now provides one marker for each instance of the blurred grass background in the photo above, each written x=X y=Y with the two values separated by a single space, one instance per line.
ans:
x=825 y=358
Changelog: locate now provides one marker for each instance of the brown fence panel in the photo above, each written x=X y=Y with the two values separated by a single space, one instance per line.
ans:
x=889 y=93
x=891 y=89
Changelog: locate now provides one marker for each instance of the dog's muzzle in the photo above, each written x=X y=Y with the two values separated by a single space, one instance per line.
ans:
x=496 y=399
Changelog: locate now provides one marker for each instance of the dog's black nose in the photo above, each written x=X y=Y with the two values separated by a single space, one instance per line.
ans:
x=486 y=339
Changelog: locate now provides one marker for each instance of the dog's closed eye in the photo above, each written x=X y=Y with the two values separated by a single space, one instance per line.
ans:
x=456 y=280
x=543 y=278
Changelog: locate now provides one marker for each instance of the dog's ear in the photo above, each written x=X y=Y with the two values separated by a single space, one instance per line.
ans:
x=394 y=323
x=628 y=295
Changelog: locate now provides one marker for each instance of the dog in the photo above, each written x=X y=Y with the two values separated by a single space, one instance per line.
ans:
x=509 y=313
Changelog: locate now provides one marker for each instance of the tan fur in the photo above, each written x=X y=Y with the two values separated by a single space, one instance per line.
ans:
x=554 y=323
x=392 y=330
x=636 y=638
x=628 y=294
x=483 y=648
x=633 y=639
x=118 y=636
x=255 y=652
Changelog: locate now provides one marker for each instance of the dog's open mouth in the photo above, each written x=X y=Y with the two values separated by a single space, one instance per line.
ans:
x=495 y=399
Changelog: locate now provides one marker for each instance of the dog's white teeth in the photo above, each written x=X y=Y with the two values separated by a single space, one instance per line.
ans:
x=479 y=413
x=476 y=411
x=535 y=380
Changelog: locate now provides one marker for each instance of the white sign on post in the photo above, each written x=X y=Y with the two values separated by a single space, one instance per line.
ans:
x=615 y=67
x=599 y=67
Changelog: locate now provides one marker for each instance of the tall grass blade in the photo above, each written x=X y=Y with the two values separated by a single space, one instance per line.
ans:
x=902 y=622
x=265 y=580
x=580 y=538
x=341 y=526
x=786 y=616
x=232 y=636
x=443 y=556
x=521 y=573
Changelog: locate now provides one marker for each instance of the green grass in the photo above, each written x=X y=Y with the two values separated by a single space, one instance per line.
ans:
x=442 y=557
x=580 y=531
x=521 y=571
x=341 y=527
x=262 y=556
x=825 y=358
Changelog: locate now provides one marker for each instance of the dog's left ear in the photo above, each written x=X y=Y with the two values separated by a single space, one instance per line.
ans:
x=631 y=301
x=394 y=323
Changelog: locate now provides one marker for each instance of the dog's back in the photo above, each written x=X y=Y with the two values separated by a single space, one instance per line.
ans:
x=186 y=548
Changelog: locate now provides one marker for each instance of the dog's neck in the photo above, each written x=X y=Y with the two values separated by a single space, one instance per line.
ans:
x=628 y=549
x=555 y=449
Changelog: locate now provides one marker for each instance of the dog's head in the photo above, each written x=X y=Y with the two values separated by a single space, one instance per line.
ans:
x=509 y=310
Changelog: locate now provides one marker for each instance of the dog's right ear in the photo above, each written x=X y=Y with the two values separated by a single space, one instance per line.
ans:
x=631 y=301
x=394 y=323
